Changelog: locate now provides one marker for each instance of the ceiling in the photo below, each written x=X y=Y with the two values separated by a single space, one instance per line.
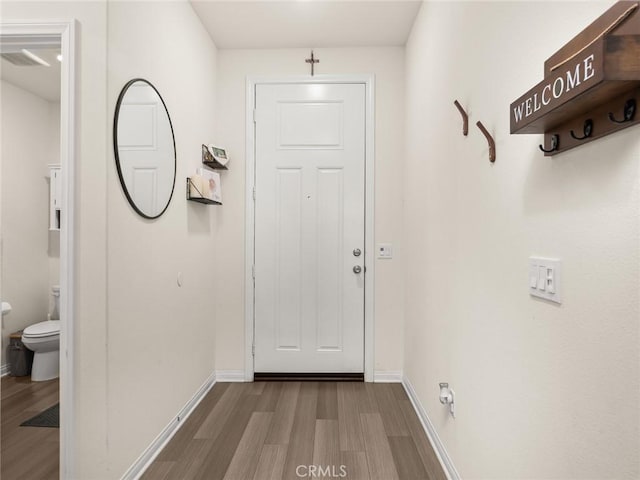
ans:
x=307 y=23
x=39 y=80
x=262 y=24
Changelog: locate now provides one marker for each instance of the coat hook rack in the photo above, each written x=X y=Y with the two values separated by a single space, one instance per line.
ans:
x=603 y=58
x=587 y=130
x=492 y=144
x=628 y=112
x=465 y=118
x=555 y=144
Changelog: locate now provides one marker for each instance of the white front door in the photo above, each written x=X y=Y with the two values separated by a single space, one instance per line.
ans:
x=309 y=228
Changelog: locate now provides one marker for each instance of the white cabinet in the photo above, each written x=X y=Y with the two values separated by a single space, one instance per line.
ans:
x=55 y=196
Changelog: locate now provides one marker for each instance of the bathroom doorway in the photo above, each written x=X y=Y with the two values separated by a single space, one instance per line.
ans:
x=36 y=241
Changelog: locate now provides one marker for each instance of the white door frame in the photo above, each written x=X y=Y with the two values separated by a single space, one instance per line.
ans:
x=65 y=31
x=369 y=319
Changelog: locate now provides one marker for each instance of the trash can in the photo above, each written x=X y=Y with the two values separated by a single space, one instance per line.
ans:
x=19 y=357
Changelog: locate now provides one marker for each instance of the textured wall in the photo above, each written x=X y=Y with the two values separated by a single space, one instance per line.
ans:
x=543 y=391
x=161 y=336
x=140 y=339
x=29 y=251
x=388 y=66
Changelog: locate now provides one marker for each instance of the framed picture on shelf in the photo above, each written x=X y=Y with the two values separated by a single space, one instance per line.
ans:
x=214 y=157
x=211 y=187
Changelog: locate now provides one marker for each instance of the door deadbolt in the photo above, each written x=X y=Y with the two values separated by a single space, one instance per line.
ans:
x=357 y=269
x=357 y=252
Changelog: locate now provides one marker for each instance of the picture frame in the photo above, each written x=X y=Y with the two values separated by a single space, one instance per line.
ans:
x=214 y=157
x=211 y=186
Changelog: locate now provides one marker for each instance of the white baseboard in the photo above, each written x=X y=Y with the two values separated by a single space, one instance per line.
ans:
x=143 y=462
x=4 y=370
x=432 y=435
x=230 y=376
x=387 y=377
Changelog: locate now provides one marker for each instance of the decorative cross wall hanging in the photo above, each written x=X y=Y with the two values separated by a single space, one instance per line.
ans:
x=312 y=61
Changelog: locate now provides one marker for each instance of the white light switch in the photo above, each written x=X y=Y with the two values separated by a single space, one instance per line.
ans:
x=544 y=278
x=551 y=281
x=385 y=250
x=533 y=279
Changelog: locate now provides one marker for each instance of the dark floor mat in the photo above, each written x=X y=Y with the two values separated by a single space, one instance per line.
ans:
x=49 y=418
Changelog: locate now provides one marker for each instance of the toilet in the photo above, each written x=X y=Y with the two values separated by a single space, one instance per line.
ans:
x=44 y=340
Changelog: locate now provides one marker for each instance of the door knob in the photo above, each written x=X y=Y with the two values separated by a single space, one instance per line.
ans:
x=357 y=252
x=357 y=269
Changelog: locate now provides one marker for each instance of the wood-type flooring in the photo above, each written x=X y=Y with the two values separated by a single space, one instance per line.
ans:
x=294 y=430
x=29 y=453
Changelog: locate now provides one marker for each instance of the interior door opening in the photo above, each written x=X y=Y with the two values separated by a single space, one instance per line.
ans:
x=37 y=39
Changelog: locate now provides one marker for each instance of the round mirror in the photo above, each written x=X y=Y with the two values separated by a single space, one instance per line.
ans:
x=144 y=147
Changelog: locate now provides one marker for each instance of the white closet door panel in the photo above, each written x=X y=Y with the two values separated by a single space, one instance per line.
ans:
x=288 y=232
x=330 y=259
x=311 y=125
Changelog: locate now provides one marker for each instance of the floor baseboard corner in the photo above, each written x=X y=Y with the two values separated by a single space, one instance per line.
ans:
x=4 y=370
x=432 y=435
x=143 y=462
x=230 y=376
x=384 y=376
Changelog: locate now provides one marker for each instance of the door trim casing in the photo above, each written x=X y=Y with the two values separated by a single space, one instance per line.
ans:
x=368 y=80
x=64 y=31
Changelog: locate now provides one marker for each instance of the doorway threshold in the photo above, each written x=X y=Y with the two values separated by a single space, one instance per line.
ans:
x=307 y=377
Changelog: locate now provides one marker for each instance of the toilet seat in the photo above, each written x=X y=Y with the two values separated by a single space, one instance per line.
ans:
x=43 y=329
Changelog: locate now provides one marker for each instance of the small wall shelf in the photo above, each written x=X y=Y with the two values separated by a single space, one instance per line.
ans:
x=200 y=199
x=210 y=161
x=204 y=201
x=590 y=86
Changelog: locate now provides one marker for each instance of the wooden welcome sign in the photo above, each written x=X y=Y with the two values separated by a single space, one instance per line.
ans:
x=590 y=87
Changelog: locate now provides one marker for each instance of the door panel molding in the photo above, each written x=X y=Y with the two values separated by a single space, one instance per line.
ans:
x=369 y=315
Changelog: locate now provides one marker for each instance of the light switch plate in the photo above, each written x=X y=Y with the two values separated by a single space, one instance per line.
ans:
x=545 y=278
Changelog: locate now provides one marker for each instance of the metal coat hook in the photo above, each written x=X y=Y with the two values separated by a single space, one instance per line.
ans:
x=629 y=112
x=555 y=144
x=465 y=118
x=587 y=130
x=492 y=144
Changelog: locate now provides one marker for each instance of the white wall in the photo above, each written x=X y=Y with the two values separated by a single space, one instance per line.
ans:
x=233 y=67
x=161 y=337
x=140 y=340
x=29 y=251
x=543 y=391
